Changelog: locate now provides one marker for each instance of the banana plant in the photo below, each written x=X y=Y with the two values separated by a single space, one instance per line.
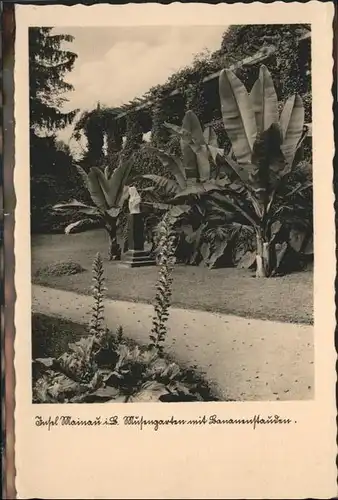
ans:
x=108 y=194
x=195 y=176
x=196 y=173
x=265 y=151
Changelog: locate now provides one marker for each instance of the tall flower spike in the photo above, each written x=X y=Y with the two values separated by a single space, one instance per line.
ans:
x=163 y=285
x=97 y=318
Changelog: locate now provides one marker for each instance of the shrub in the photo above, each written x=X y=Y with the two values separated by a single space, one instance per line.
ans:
x=62 y=268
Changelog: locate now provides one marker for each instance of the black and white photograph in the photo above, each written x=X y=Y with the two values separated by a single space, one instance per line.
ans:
x=171 y=211
x=174 y=243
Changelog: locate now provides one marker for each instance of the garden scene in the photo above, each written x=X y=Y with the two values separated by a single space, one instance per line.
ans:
x=172 y=234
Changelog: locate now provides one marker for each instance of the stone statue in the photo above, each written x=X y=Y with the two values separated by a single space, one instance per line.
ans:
x=134 y=200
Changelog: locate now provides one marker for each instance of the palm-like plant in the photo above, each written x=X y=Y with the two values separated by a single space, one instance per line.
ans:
x=108 y=193
x=195 y=178
x=195 y=173
x=265 y=152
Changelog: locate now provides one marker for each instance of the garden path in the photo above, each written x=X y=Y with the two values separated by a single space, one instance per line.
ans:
x=245 y=359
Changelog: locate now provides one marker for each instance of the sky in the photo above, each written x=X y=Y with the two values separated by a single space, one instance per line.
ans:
x=117 y=64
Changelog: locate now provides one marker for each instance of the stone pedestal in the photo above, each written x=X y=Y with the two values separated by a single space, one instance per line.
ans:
x=136 y=256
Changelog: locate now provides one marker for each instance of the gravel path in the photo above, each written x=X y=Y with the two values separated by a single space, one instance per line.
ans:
x=245 y=359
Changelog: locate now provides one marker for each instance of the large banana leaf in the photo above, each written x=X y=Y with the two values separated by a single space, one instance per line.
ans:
x=235 y=171
x=98 y=188
x=203 y=155
x=269 y=164
x=169 y=186
x=210 y=137
x=264 y=100
x=191 y=124
x=189 y=159
x=198 y=189
x=281 y=250
x=78 y=207
x=212 y=143
x=203 y=163
x=219 y=212
x=291 y=125
x=118 y=181
x=173 y=164
x=177 y=130
x=79 y=226
x=195 y=240
x=308 y=248
x=215 y=153
x=124 y=196
x=238 y=115
x=107 y=172
x=218 y=248
x=178 y=210
x=275 y=228
x=296 y=239
x=193 y=147
x=247 y=261
x=239 y=206
x=205 y=251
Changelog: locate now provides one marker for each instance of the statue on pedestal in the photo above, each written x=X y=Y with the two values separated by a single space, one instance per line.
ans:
x=134 y=200
x=136 y=255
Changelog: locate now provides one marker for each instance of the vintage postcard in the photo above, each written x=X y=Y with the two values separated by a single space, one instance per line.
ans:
x=174 y=243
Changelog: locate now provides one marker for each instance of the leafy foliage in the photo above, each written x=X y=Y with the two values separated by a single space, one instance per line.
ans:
x=63 y=268
x=52 y=180
x=108 y=193
x=230 y=198
x=106 y=367
x=50 y=161
x=267 y=148
x=289 y=65
x=166 y=252
x=194 y=181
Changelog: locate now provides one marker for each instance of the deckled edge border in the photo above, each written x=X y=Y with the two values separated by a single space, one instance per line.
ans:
x=8 y=257
x=7 y=151
x=335 y=184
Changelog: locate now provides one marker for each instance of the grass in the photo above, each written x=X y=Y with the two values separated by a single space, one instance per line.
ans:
x=51 y=336
x=229 y=291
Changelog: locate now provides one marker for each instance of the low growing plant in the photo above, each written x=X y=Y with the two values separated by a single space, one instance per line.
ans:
x=107 y=367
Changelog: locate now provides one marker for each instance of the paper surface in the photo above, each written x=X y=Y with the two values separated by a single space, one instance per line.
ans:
x=182 y=461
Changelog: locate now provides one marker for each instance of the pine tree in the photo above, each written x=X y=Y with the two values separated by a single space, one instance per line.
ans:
x=50 y=167
x=48 y=65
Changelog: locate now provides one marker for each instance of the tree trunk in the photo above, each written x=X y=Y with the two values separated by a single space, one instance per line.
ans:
x=263 y=257
x=114 y=251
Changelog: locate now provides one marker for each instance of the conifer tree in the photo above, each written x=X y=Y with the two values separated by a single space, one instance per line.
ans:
x=49 y=63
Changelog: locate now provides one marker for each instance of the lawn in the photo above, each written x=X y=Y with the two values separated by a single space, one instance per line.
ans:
x=230 y=291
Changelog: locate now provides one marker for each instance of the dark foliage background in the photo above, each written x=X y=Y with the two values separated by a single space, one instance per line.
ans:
x=53 y=175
